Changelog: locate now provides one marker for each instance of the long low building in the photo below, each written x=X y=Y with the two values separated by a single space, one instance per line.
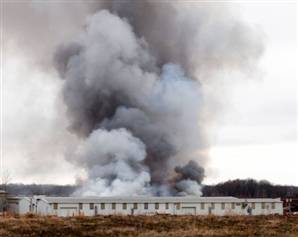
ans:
x=140 y=205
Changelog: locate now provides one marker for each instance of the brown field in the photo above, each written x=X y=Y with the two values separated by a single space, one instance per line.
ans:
x=149 y=226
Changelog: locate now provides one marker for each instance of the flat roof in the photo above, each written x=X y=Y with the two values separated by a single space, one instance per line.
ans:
x=132 y=199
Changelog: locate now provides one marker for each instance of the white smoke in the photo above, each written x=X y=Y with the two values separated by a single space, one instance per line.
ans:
x=114 y=160
x=189 y=187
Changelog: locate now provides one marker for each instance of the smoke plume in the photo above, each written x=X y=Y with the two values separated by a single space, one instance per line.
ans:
x=134 y=95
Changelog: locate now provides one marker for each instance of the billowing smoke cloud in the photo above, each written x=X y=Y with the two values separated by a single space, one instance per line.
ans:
x=114 y=160
x=188 y=177
x=133 y=91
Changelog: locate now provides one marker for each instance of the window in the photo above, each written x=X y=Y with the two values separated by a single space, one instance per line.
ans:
x=263 y=205
x=233 y=205
x=124 y=206
x=178 y=206
x=113 y=206
x=135 y=206
x=273 y=205
x=102 y=206
x=146 y=206
x=212 y=205
x=243 y=205
x=223 y=206
x=80 y=206
x=156 y=206
x=55 y=206
x=91 y=206
x=167 y=205
x=253 y=205
x=202 y=205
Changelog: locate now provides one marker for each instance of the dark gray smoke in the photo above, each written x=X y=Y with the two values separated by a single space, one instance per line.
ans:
x=188 y=177
x=134 y=92
x=190 y=171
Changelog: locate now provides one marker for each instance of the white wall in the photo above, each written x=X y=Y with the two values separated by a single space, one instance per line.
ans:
x=69 y=207
x=185 y=208
x=24 y=206
x=42 y=207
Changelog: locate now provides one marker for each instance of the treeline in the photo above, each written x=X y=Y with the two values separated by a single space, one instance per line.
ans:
x=39 y=189
x=248 y=188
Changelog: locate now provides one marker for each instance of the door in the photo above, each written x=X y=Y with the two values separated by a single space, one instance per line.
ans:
x=188 y=210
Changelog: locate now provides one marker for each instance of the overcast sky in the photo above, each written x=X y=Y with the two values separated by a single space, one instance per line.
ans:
x=255 y=137
x=258 y=137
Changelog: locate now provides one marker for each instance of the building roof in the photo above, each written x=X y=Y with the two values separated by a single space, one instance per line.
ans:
x=18 y=198
x=149 y=199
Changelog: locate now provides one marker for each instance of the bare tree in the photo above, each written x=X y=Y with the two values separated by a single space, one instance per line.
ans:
x=5 y=179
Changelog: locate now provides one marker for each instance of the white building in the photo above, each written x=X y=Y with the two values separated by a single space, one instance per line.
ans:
x=189 y=205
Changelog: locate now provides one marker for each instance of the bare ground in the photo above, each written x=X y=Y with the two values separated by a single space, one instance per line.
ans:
x=148 y=226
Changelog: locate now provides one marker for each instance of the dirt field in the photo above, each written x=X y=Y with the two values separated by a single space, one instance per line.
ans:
x=149 y=226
